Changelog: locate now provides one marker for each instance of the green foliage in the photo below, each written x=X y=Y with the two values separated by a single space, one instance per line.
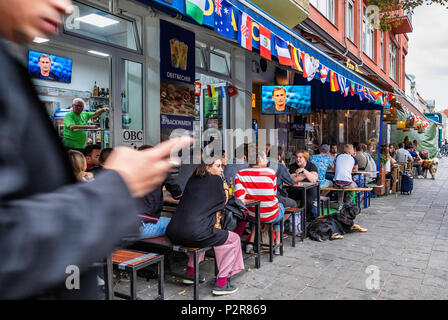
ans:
x=391 y=8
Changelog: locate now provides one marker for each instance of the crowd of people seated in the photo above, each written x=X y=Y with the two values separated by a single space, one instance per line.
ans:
x=202 y=191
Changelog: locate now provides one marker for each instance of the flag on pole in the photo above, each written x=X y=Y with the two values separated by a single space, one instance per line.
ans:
x=283 y=54
x=196 y=9
x=245 y=31
x=333 y=82
x=224 y=17
x=265 y=42
x=323 y=73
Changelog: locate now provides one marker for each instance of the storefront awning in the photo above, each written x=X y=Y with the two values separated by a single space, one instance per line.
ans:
x=176 y=7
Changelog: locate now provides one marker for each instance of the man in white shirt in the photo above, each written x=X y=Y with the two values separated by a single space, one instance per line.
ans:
x=402 y=155
x=345 y=164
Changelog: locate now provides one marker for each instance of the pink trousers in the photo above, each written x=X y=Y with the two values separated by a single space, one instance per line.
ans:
x=229 y=257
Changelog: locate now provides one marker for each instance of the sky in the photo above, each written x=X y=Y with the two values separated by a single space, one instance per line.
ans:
x=427 y=57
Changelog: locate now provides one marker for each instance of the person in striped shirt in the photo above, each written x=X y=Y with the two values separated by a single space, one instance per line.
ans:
x=260 y=183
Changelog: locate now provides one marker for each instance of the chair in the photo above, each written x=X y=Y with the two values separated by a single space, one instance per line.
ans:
x=271 y=245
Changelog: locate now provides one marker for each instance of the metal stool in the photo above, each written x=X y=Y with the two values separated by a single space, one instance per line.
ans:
x=324 y=201
x=295 y=212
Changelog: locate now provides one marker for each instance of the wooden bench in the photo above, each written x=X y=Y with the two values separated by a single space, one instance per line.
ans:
x=356 y=190
x=165 y=244
x=132 y=261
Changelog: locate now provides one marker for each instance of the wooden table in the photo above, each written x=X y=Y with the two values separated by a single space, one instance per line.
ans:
x=249 y=203
x=304 y=186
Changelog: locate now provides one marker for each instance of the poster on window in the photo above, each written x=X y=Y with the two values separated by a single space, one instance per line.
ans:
x=177 y=76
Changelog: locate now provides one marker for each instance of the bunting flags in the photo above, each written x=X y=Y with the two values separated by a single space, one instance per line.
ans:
x=342 y=84
x=283 y=54
x=245 y=31
x=333 y=82
x=231 y=91
x=224 y=17
x=265 y=42
x=232 y=23
x=295 y=57
x=361 y=92
x=224 y=92
x=311 y=65
x=195 y=9
x=323 y=73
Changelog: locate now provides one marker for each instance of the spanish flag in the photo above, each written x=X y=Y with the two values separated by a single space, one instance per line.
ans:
x=333 y=82
x=295 y=56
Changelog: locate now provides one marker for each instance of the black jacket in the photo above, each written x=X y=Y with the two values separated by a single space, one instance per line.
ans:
x=47 y=221
x=192 y=224
x=152 y=203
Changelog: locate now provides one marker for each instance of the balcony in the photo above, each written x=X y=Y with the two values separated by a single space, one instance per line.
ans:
x=400 y=22
x=289 y=12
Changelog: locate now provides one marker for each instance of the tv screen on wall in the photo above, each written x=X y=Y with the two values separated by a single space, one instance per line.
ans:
x=46 y=66
x=286 y=99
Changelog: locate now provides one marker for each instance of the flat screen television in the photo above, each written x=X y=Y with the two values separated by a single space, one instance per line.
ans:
x=286 y=99
x=46 y=66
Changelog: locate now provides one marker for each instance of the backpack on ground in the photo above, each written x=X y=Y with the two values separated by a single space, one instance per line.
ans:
x=407 y=183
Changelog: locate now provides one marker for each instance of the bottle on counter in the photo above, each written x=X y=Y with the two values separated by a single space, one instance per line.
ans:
x=107 y=93
x=95 y=90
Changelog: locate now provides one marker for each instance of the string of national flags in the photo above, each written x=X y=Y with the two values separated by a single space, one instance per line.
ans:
x=234 y=24
x=419 y=119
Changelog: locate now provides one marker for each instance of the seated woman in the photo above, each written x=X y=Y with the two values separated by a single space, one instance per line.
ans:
x=305 y=171
x=196 y=223
x=260 y=183
x=79 y=165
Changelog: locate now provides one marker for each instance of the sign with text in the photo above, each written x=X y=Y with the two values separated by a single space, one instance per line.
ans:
x=179 y=45
x=132 y=138
x=168 y=123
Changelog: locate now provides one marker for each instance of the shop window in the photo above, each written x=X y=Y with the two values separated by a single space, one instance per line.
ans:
x=219 y=62
x=200 y=61
x=132 y=95
x=102 y=26
x=326 y=7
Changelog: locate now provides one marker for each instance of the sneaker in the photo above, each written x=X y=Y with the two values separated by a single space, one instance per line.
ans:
x=249 y=248
x=100 y=282
x=190 y=279
x=420 y=177
x=277 y=251
x=227 y=289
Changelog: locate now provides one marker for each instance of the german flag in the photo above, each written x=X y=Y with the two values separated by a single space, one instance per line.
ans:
x=295 y=57
x=333 y=82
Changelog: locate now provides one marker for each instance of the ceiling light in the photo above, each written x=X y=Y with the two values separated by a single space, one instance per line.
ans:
x=98 y=53
x=97 y=20
x=40 y=40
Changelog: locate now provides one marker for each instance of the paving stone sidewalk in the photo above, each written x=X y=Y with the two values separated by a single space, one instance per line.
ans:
x=404 y=255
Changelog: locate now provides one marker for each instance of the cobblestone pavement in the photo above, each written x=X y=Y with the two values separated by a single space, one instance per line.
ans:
x=406 y=246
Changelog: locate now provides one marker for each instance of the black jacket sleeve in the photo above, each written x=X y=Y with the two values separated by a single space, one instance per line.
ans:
x=75 y=225
x=172 y=186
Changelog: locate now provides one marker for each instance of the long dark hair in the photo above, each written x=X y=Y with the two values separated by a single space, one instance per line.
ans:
x=201 y=170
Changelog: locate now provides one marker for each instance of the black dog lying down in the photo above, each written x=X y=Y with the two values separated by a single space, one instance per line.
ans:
x=335 y=225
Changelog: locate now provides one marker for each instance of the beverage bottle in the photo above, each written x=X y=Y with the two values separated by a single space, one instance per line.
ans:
x=107 y=93
x=95 y=90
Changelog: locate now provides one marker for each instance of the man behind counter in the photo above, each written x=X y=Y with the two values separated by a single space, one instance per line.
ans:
x=75 y=125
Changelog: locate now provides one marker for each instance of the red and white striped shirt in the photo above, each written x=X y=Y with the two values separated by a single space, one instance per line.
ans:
x=259 y=184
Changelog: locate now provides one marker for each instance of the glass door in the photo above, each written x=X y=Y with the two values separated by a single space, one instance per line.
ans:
x=215 y=105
